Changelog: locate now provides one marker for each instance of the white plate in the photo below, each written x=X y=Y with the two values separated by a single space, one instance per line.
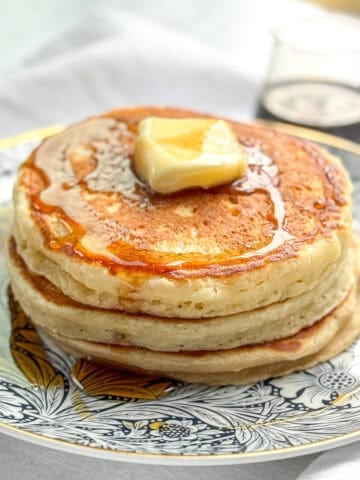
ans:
x=120 y=417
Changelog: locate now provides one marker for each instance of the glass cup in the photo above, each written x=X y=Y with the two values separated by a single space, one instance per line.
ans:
x=314 y=75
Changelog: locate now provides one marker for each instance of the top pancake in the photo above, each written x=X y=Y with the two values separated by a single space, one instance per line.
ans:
x=82 y=212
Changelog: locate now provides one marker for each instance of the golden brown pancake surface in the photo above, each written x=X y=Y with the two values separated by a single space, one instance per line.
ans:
x=88 y=204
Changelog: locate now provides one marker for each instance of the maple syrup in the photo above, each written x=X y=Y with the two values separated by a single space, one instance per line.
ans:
x=83 y=178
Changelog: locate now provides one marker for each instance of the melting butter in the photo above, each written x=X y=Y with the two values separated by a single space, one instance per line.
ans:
x=176 y=154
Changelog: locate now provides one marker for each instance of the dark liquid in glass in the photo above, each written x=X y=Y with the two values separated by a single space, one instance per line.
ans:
x=328 y=107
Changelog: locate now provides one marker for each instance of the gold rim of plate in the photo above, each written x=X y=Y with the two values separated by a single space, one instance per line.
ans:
x=338 y=440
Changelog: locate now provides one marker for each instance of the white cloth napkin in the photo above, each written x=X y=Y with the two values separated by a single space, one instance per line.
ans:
x=117 y=58
x=113 y=58
x=126 y=60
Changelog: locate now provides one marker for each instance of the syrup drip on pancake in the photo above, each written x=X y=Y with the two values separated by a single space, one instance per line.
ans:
x=82 y=178
x=263 y=175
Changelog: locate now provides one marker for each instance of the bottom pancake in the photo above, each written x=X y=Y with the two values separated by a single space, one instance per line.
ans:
x=326 y=338
x=344 y=338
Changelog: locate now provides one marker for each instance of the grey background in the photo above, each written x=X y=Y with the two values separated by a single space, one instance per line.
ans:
x=21 y=460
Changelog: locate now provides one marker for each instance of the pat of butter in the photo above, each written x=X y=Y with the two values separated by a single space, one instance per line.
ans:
x=175 y=154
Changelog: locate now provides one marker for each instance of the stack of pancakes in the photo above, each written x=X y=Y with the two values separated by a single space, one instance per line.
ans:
x=222 y=286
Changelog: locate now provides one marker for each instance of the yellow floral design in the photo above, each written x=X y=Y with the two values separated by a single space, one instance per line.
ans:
x=30 y=356
x=102 y=380
x=28 y=352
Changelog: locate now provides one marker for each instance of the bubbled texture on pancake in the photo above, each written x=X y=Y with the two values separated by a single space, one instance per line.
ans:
x=49 y=308
x=188 y=255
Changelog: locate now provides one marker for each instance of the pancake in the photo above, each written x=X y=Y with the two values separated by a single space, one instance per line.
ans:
x=85 y=222
x=51 y=309
x=211 y=366
x=342 y=340
x=228 y=285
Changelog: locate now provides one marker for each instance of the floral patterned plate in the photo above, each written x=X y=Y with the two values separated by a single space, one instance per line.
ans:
x=48 y=398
